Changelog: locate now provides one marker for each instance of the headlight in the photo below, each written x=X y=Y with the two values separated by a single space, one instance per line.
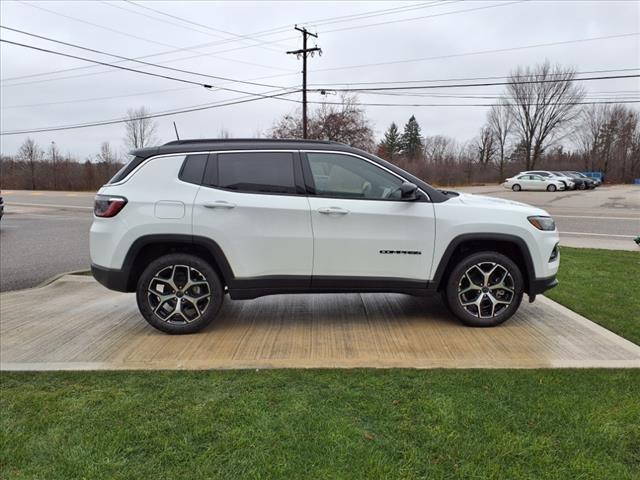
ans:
x=543 y=223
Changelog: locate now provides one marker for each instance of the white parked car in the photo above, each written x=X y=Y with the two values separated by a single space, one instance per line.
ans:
x=526 y=181
x=568 y=182
x=188 y=222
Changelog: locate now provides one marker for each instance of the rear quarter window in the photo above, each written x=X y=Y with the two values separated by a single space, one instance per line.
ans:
x=192 y=170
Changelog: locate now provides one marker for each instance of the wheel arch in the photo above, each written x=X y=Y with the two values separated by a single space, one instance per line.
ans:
x=149 y=247
x=466 y=244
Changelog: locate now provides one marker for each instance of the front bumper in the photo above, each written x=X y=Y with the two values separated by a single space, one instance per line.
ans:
x=541 y=285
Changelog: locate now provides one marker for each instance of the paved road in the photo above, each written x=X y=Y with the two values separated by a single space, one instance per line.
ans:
x=38 y=243
x=46 y=233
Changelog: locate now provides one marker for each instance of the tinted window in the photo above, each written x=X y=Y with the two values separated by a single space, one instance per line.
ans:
x=131 y=163
x=193 y=168
x=260 y=172
x=346 y=176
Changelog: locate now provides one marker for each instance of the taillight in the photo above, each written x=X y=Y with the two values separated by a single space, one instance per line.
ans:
x=106 y=206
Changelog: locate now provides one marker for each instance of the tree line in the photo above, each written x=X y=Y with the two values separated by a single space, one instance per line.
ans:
x=34 y=168
x=542 y=110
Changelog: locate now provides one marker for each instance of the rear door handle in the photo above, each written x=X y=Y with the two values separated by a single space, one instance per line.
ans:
x=219 y=204
x=333 y=210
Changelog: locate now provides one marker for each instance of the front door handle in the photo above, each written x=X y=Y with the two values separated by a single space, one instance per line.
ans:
x=219 y=204
x=333 y=210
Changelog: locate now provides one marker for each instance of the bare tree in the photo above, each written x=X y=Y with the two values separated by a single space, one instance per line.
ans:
x=587 y=133
x=500 y=121
x=140 y=130
x=486 y=146
x=106 y=155
x=54 y=158
x=543 y=101
x=345 y=122
x=31 y=154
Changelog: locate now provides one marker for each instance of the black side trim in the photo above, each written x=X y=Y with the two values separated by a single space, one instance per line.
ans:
x=496 y=237
x=247 y=288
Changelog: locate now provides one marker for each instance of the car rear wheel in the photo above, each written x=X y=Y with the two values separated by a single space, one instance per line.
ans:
x=179 y=293
x=516 y=188
x=484 y=289
x=551 y=188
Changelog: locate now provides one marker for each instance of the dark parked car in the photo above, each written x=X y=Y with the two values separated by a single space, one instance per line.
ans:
x=1 y=207
x=582 y=181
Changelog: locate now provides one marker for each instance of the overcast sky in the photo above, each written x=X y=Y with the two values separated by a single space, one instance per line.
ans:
x=248 y=41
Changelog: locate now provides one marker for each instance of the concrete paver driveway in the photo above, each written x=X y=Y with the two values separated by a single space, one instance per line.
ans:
x=75 y=324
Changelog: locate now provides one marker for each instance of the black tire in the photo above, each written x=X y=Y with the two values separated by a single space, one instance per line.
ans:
x=516 y=187
x=582 y=186
x=197 y=314
x=499 y=313
x=551 y=188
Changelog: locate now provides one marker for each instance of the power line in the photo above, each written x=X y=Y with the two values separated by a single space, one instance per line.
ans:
x=53 y=52
x=377 y=13
x=388 y=22
x=479 y=52
x=128 y=59
x=195 y=108
x=174 y=47
x=470 y=104
x=464 y=85
x=461 y=79
x=190 y=22
x=94 y=99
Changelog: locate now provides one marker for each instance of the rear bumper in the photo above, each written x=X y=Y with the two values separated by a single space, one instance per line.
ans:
x=111 y=278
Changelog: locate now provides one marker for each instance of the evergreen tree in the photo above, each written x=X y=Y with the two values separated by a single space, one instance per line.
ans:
x=391 y=146
x=412 y=144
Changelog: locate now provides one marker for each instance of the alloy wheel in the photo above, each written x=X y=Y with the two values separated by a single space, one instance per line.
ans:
x=179 y=294
x=486 y=289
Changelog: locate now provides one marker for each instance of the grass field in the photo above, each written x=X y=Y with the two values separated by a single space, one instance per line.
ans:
x=537 y=424
x=321 y=424
x=602 y=285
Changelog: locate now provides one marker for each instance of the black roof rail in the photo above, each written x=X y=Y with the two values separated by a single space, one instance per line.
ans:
x=234 y=140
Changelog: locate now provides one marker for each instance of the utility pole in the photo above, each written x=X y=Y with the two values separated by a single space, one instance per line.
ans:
x=303 y=53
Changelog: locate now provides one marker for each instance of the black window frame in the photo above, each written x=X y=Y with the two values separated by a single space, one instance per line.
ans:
x=311 y=188
x=211 y=178
x=181 y=176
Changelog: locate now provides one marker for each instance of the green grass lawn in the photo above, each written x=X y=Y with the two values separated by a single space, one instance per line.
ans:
x=315 y=424
x=537 y=424
x=602 y=285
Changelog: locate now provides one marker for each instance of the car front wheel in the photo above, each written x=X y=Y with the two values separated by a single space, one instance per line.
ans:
x=516 y=188
x=484 y=289
x=551 y=188
x=179 y=293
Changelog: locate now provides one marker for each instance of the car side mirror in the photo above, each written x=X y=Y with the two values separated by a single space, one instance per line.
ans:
x=409 y=191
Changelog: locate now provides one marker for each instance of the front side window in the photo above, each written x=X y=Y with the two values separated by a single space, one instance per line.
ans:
x=345 y=176
x=257 y=172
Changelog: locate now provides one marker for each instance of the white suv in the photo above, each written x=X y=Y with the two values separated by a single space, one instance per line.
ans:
x=185 y=223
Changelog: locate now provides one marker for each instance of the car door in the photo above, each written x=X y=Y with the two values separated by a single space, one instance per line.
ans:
x=538 y=182
x=253 y=205
x=362 y=228
x=524 y=181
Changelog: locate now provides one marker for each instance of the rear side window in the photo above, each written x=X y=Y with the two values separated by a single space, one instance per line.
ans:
x=131 y=163
x=193 y=168
x=257 y=172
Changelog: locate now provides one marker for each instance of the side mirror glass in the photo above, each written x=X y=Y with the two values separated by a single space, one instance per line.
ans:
x=409 y=191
